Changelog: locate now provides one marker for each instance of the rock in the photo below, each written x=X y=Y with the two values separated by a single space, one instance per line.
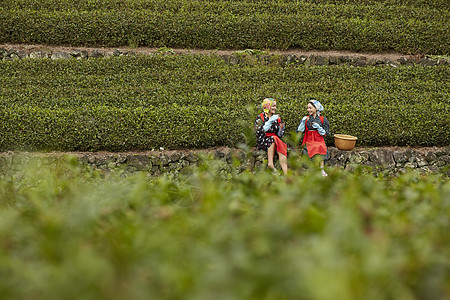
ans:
x=333 y=60
x=383 y=158
x=117 y=53
x=445 y=159
x=3 y=53
x=78 y=54
x=164 y=160
x=140 y=162
x=219 y=154
x=321 y=61
x=12 y=55
x=109 y=54
x=120 y=159
x=357 y=158
x=91 y=159
x=393 y=64
x=60 y=55
x=371 y=62
x=22 y=54
x=338 y=157
x=310 y=61
x=344 y=59
x=97 y=53
x=291 y=59
x=421 y=159
x=429 y=169
x=302 y=59
x=361 y=62
x=427 y=62
x=39 y=54
x=430 y=157
x=402 y=61
x=84 y=54
x=410 y=165
x=191 y=157
x=174 y=166
x=401 y=158
x=174 y=157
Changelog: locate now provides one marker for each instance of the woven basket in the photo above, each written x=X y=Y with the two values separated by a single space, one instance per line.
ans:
x=345 y=142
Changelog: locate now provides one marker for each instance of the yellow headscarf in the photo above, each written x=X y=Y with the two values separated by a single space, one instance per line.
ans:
x=266 y=104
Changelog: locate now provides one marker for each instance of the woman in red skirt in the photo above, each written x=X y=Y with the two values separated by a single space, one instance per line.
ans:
x=315 y=127
x=269 y=131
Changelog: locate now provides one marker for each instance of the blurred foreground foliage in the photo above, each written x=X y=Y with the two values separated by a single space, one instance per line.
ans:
x=67 y=231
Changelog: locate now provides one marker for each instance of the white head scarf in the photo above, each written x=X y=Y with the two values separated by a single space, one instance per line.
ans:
x=317 y=105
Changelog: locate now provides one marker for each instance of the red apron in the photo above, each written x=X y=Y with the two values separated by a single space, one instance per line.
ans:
x=315 y=143
x=280 y=146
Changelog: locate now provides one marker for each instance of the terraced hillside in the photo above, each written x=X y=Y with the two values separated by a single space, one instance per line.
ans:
x=123 y=75
x=197 y=101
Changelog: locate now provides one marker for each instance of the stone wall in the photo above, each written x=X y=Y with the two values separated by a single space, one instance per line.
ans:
x=244 y=57
x=391 y=160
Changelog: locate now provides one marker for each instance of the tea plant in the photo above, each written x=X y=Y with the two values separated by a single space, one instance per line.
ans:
x=198 y=101
x=67 y=231
x=410 y=27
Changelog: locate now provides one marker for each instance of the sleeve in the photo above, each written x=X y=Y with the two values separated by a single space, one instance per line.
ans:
x=301 y=126
x=268 y=124
x=258 y=123
x=259 y=132
x=326 y=126
x=281 y=129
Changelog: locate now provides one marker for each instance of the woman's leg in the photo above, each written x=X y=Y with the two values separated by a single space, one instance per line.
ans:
x=270 y=154
x=321 y=167
x=283 y=162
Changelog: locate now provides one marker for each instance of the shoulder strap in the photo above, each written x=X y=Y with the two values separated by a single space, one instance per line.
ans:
x=321 y=119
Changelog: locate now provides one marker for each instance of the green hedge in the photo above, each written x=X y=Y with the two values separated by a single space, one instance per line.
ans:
x=115 y=129
x=198 y=101
x=327 y=25
x=236 y=6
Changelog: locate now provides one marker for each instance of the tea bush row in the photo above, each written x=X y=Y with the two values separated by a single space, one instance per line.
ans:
x=307 y=25
x=176 y=127
x=237 y=6
x=132 y=82
x=195 y=101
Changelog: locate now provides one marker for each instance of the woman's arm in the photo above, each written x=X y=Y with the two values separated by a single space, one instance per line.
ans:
x=269 y=122
x=258 y=123
x=281 y=128
x=301 y=127
x=322 y=129
x=326 y=126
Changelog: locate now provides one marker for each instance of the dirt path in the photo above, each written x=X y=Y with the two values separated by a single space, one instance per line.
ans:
x=297 y=52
